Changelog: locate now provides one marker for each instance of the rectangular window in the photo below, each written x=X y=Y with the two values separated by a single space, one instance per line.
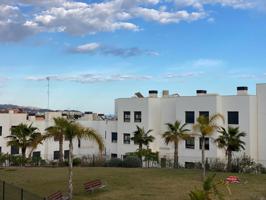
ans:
x=56 y=155
x=114 y=137
x=126 y=116
x=113 y=155
x=207 y=143
x=233 y=117
x=12 y=127
x=0 y=149
x=14 y=150
x=189 y=165
x=1 y=128
x=126 y=138
x=204 y=113
x=190 y=143
x=137 y=116
x=36 y=154
x=79 y=143
x=66 y=154
x=190 y=117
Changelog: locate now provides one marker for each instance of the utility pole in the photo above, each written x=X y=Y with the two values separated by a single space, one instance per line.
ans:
x=48 y=92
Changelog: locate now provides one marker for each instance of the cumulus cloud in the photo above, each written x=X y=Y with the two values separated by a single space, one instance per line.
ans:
x=12 y=25
x=91 y=78
x=82 y=18
x=97 y=48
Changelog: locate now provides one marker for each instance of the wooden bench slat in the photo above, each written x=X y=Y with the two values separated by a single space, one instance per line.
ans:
x=55 y=196
x=95 y=184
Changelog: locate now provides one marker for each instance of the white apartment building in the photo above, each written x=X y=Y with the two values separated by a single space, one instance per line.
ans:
x=248 y=112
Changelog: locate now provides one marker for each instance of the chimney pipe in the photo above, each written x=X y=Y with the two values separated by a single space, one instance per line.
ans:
x=153 y=93
x=165 y=93
x=201 y=92
x=242 y=90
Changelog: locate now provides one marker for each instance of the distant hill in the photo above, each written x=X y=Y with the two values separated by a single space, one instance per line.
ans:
x=28 y=109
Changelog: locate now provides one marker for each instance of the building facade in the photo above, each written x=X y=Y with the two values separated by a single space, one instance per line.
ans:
x=248 y=112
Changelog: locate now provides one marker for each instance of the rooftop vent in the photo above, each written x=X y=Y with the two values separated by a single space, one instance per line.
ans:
x=139 y=95
x=153 y=93
x=242 y=90
x=165 y=93
x=201 y=92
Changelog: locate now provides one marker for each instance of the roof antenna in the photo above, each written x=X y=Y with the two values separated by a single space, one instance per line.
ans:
x=48 y=92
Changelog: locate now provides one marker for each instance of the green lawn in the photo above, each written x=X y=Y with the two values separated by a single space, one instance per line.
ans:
x=127 y=184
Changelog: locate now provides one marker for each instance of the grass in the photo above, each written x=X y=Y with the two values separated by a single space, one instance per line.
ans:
x=128 y=184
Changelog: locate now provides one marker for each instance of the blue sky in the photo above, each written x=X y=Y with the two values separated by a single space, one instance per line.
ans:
x=96 y=51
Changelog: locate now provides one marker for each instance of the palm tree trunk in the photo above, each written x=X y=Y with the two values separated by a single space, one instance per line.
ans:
x=23 y=150
x=229 y=161
x=140 y=154
x=148 y=160
x=61 y=155
x=176 y=156
x=203 y=162
x=70 y=170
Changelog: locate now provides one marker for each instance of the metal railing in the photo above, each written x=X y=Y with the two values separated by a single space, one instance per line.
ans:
x=11 y=192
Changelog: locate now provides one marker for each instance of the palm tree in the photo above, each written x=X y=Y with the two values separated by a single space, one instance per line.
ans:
x=174 y=134
x=73 y=130
x=142 y=138
x=206 y=126
x=24 y=136
x=231 y=141
x=57 y=131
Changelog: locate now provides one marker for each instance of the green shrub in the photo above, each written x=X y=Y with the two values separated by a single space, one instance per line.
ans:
x=210 y=190
x=245 y=164
x=131 y=162
x=76 y=161
x=217 y=165
x=114 y=162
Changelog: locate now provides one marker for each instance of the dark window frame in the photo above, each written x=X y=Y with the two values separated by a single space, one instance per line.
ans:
x=36 y=154
x=1 y=130
x=14 y=150
x=56 y=155
x=137 y=116
x=204 y=113
x=66 y=154
x=189 y=145
x=114 y=137
x=114 y=155
x=189 y=119
x=207 y=143
x=127 y=116
x=233 y=117
x=126 y=138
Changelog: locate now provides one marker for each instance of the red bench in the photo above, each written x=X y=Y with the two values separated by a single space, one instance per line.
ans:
x=56 y=196
x=232 y=179
x=92 y=185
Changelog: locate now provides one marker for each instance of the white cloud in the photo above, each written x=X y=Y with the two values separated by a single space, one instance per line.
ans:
x=165 y=17
x=97 y=48
x=183 y=75
x=91 y=77
x=80 y=18
x=199 y=4
x=86 y=48
x=207 y=63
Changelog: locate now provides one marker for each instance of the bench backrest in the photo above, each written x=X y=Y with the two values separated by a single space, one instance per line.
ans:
x=55 y=196
x=92 y=184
